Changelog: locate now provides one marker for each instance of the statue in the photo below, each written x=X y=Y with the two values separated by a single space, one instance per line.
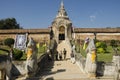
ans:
x=31 y=62
x=6 y=66
x=86 y=43
x=90 y=65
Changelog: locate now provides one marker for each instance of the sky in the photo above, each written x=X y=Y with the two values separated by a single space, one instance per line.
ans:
x=34 y=14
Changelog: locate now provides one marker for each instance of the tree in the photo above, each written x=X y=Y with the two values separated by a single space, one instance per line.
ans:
x=9 y=23
x=9 y=42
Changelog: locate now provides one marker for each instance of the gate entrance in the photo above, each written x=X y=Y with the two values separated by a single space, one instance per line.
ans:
x=61 y=36
x=62 y=33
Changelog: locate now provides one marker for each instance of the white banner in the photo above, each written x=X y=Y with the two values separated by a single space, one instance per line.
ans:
x=20 y=41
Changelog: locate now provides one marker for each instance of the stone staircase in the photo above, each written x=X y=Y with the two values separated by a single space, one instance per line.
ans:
x=63 y=70
x=64 y=44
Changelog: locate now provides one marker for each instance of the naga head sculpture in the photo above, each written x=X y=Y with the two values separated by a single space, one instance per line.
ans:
x=30 y=48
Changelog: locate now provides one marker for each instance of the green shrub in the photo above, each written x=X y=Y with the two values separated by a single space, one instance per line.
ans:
x=101 y=47
x=114 y=43
x=98 y=44
x=17 y=54
x=9 y=41
x=100 y=50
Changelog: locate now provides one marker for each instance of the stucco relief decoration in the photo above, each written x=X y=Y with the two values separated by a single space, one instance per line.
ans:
x=61 y=22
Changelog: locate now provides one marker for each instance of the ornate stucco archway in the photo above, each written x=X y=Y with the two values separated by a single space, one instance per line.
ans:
x=62 y=26
x=61 y=33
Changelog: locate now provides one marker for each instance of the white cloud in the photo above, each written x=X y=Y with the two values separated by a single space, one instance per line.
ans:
x=92 y=18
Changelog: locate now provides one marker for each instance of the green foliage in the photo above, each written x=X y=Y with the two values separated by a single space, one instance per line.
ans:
x=9 y=23
x=17 y=54
x=101 y=47
x=2 y=52
x=9 y=41
x=100 y=50
x=98 y=44
x=24 y=56
x=113 y=43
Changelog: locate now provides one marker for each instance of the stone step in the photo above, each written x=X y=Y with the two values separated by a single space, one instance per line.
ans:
x=63 y=70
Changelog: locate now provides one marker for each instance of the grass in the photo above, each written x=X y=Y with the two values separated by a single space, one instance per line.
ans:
x=41 y=50
x=106 y=57
x=2 y=52
x=3 y=47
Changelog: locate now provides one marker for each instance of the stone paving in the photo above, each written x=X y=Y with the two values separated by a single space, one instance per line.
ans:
x=62 y=70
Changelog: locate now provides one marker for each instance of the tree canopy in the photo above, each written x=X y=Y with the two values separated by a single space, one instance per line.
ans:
x=9 y=23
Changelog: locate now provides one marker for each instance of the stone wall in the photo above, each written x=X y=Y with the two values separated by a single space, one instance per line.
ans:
x=81 y=36
x=18 y=67
x=103 y=69
x=40 y=37
x=36 y=37
x=108 y=36
x=80 y=33
x=99 y=36
x=80 y=61
x=4 y=36
x=109 y=69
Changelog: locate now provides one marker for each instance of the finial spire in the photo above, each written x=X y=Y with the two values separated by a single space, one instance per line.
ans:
x=62 y=12
x=62 y=3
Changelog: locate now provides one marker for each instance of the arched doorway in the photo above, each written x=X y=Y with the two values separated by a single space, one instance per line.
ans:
x=62 y=33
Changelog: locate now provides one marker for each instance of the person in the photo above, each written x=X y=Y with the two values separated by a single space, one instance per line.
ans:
x=64 y=52
x=72 y=57
x=60 y=55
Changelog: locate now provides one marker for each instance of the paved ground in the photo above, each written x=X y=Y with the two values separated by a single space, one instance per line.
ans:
x=62 y=70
